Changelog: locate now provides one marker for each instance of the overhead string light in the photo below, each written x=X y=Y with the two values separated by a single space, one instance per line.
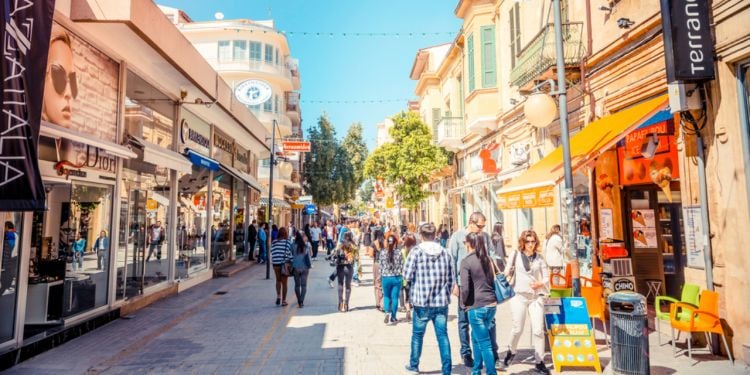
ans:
x=358 y=101
x=318 y=34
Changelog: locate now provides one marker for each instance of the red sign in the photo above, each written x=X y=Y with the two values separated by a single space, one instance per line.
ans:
x=649 y=156
x=300 y=146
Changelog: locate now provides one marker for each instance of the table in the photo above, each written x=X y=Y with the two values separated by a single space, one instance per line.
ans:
x=654 y=288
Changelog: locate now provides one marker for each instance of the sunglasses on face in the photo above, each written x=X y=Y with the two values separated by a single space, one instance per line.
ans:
x=61 y=78
x=530 y=242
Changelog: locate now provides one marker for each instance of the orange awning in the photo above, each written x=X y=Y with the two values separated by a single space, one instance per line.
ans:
x=535 y=187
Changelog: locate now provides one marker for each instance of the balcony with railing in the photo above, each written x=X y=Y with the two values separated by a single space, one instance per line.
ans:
x=450 y=131
x=292 y=105
x=251 y=65
x=537 y=60
x=293 y=66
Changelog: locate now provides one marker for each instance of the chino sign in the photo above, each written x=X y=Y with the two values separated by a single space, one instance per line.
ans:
x=688 y=46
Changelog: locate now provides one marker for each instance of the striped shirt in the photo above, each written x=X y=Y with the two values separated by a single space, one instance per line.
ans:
x=429 y=269
x=281 y=252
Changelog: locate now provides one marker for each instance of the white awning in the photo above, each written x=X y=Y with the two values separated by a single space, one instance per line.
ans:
x=163 y=157
x=51 y=130
x=276 y=202
x=249 y=180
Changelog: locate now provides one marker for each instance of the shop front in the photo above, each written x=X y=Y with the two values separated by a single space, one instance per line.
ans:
x=537 y=190
x=70 y=254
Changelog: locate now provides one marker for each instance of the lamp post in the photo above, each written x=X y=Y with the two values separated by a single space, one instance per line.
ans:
x=270 y=199
x=541 y=116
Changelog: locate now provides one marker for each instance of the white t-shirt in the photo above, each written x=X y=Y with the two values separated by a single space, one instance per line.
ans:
x=314 y=234
x=553 y=251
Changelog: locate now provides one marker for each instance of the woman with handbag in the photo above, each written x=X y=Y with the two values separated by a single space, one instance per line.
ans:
x=477 y=296
x=409 y=242
x=391 y=265
x=281 y=259
x=301 y=265
x=345 y=256
x=530 y=276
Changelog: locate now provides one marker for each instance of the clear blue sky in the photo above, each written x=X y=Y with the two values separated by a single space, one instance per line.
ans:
x=347 y=68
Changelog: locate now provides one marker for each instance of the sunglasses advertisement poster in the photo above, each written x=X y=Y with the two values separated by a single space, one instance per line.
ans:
x=81 y=94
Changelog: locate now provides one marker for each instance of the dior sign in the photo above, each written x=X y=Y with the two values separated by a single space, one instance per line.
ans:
x=688 y=45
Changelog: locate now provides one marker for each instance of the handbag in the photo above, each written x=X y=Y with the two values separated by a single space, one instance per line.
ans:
x=286 y=269
x=502 y=286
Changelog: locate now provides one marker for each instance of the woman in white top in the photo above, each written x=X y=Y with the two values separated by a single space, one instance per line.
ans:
x=553 y=248
x=531 y=286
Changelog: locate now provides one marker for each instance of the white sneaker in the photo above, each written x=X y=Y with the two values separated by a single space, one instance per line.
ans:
x=330 y=283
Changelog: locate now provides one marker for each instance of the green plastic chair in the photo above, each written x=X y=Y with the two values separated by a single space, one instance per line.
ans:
x=568 y=292
x=690 y=295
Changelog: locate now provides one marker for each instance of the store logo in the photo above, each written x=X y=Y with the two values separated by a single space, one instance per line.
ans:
x=624 y=284
x=253 y=92
x=223 y=143
x=688 y=43
x=189 y=134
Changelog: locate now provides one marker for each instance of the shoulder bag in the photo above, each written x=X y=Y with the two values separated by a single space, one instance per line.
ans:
x=503 y=286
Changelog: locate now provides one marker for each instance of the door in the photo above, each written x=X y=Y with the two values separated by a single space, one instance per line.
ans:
x=643 y=239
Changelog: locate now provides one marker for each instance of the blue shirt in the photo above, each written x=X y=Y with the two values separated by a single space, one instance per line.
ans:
x=79 y=245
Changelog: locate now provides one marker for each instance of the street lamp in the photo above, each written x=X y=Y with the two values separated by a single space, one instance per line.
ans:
x=539 y=110
x=271 y=163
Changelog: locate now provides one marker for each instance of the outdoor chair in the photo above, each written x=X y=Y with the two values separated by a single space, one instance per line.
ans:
x=689 y=296
x=704 y=318
x=595 y=305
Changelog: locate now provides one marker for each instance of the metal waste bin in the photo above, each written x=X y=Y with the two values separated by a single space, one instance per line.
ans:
x=628 y=321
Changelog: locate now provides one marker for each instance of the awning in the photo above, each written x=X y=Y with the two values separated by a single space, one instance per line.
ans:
x=248 y=179
x=535 y=187
x=201 y=160
x=276 y=202
x=51 y=130
x=162 y=157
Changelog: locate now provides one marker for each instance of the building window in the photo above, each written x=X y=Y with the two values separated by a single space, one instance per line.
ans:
x=269 y=54
x=515 y=34
x=255 y=51
x=225 y=50
x=277 y=56
x=470 y=61
x=461 y=171
x=276 y=104
x=489 y=68
x=268 y=106
x=239 y=50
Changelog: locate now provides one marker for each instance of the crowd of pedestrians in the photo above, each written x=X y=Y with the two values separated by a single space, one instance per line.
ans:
x=418 y=270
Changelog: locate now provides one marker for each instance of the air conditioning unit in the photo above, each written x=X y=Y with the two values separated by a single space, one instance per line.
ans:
x=622 y=267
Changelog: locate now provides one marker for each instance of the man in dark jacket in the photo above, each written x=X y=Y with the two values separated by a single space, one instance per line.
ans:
x=252 y=235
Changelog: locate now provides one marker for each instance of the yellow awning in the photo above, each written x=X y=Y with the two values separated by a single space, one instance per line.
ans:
x=535 y=187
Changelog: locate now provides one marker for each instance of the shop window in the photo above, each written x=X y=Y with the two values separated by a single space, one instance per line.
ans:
x=239 y=219
x=221 y=205
x=192 y=223
x=11 y=245
x=525 y=220
x=225 y=51
x=255 y=51
x=69 y=262
x=148 y=113
x=514 y=20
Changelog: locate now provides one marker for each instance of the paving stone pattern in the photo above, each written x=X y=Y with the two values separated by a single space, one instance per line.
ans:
x=243 y=332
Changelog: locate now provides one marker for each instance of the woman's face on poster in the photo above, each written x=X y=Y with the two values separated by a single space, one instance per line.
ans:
x=60 y=86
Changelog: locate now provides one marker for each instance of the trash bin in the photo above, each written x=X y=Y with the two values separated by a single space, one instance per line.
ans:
x=629 y=333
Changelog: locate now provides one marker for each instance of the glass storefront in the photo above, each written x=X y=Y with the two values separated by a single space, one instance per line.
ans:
x=221 y=216
x=69 y=259
x=239 y=200
x=192 y=223
x=11 y=245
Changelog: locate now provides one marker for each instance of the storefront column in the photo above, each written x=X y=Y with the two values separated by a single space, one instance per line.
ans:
x=114 y=235
x=174 y=200
x=22 y=279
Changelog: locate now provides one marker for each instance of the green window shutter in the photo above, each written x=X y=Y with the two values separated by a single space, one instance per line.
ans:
x=489 y=68
x=470 y=49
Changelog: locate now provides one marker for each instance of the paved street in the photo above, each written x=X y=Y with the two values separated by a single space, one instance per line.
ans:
x=243 y=332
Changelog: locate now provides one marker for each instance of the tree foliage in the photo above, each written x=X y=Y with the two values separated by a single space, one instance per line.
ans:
x=366 y=190
x=408 y=161
x=356 y=149
x=328 y=172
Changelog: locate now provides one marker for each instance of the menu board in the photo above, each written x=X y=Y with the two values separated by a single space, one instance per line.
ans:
x=694 y=239
x=644 y=228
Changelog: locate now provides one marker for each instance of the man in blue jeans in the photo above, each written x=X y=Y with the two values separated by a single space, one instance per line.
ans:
x=430 y=271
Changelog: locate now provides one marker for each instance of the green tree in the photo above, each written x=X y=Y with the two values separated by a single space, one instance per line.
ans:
x=356 y=149
x=318 y=175
x=408 y=161
x=366 y=190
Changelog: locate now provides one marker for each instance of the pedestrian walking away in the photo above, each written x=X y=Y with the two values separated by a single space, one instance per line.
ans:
x=315 y=236
x=281 y=260
x=301 y=265
x=252 y=236
x=554 y=253
x=498 y=244
x=409 y=242
x=478 y=299
x=391 y=265
x=345 y=255
x=262 y=243
x=378 y=246
x=531 y=284
x=457 y=248
x=429 y=269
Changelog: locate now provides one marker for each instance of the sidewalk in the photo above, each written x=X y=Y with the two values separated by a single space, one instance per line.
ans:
x=205 y=331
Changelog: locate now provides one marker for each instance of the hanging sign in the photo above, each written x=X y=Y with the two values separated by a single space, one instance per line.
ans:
x=570 y=334
x=299 y=146
x=25 y=35
x=688 y=45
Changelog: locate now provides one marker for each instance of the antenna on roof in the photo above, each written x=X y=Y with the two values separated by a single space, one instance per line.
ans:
x=219 y=16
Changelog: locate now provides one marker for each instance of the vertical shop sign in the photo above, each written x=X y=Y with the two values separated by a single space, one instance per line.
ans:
x=694 y=241
x=688 y=46
x=25 y=36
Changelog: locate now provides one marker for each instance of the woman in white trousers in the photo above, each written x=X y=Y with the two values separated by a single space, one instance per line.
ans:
x=531 y=287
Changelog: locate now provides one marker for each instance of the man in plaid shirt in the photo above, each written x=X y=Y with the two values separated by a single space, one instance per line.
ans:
x=430 y=271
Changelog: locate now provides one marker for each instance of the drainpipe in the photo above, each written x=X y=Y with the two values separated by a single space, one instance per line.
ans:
x=707 y=251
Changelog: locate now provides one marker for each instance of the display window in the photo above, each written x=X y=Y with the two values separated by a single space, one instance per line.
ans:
x=239 y=220
x=10 y=242
x=221 y=228
x=70 y=254
x=192 y=223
